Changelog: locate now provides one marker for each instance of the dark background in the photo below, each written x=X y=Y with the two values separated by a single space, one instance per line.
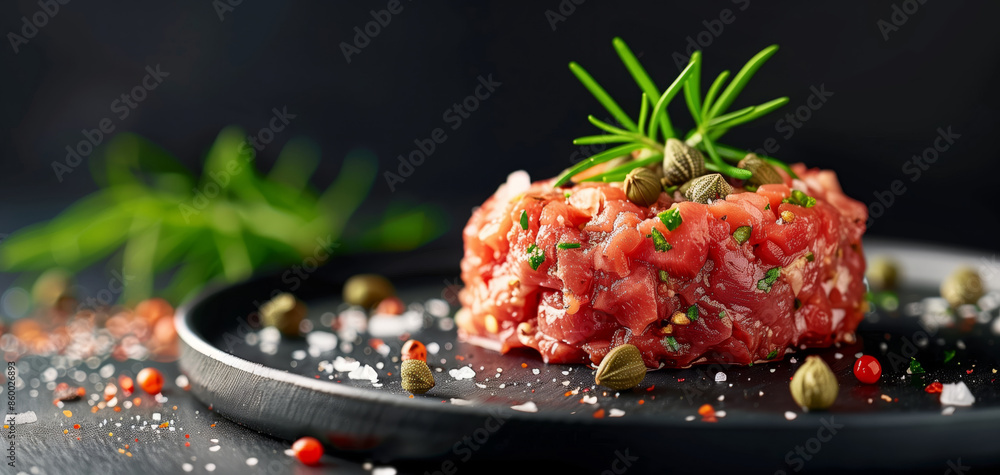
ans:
x=938 y=69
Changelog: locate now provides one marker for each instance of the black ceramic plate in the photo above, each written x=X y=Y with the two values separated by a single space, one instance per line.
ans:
x=516 y=410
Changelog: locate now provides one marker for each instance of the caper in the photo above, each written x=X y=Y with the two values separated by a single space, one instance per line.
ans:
x=367 y=290
x=622 y=368
x=417 y=377
x=681 y=163
x=814 y=386
x=963 y=287
x=883 y=274
x=642 y=187
x=705 y=188
x=763 y=172
x=284 y=312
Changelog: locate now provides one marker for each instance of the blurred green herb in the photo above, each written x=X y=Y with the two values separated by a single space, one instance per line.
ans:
x=155 y=217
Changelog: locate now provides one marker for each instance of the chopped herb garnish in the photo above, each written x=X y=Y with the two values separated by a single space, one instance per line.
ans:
x=810 y=257
x=948 y=355
x=772 y=354
x=741 y=234
x=664 y=277
x=767 y=206
x=722 y=314
x=671 y=343
x=693 y=313
x=916 y=367
x=769 y=278
x=567 y=194
x=524 y=219
x=750 y=188
x=671 y=218
x=801 y=199
x=568 y=245
x=536 y=256
x=659 y=242
x=798 y=304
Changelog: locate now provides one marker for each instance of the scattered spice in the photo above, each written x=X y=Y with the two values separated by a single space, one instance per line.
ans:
x=127 y=385
x=150 y=380
x=414 y=350
x=707 y=413
x=867 y=369
x=308 y=450
x=390 y=306
x=934 y=388
x=679 y=318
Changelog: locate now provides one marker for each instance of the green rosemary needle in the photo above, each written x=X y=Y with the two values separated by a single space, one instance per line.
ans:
x=711 y=115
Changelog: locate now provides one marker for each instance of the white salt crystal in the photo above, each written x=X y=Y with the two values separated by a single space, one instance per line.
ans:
x=464 y=372
x=956 y=394
x=526 y=407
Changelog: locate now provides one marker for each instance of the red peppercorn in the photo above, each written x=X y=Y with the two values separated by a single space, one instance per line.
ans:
x=414 y=350
x=934 y=388
x=390 y=306
x=150 y=380
x=867 y=369
x=308 y=450
x=127 y=385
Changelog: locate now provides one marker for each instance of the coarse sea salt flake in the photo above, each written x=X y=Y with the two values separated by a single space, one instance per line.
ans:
x=365 y=373
x=526 y=407
x=345 y=365
x=615 y=412
x=464 y=372
x=956 y=394
x=26 y=417
x=720 y=377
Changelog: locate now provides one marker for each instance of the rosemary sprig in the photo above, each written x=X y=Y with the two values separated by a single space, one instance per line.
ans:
x=154 y=218
x=711 y=115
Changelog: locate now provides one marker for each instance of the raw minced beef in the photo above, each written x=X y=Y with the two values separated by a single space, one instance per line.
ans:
x=708 y=299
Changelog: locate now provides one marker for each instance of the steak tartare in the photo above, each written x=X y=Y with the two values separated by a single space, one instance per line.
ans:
x=574 y=272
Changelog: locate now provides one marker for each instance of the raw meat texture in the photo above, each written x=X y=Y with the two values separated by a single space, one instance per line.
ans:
x=618 y=288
